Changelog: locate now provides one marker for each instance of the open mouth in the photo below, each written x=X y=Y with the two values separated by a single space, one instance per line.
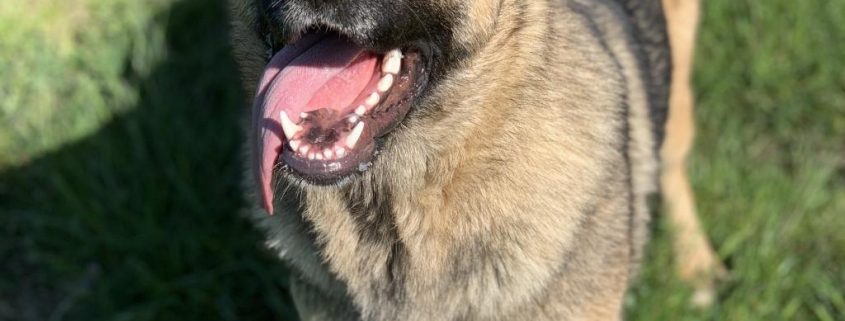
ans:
x=323 y=102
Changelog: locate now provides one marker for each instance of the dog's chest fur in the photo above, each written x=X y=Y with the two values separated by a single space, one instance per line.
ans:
x=533 y=210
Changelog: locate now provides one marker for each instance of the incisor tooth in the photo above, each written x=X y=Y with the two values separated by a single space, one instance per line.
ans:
x=340 y=152
x=327 y=153
x=385 y=83
x=319 y=156
x=353 y=137
x=304 y=149
x=373 y=99
x=288 y=126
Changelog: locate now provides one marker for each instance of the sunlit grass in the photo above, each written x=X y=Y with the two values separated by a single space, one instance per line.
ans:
x=64 y=66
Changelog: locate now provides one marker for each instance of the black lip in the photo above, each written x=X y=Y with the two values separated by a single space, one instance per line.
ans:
x=324 y=173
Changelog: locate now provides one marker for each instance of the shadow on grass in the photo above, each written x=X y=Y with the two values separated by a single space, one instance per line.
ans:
x=141 y=220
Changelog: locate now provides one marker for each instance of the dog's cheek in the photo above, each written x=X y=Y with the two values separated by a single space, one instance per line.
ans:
x=250 y=52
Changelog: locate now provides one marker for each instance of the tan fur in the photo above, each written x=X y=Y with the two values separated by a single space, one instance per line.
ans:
x=517 y=191
x=695 y=259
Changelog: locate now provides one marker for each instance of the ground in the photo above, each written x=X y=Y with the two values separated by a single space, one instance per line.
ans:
x=119 y=166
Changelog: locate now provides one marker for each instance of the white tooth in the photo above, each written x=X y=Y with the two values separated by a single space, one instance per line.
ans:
x=328 y=153
x=391 y=66
x=303 y=115
x=288 y=126
x=304 y=149
x=340 y=152
x=353 y=137
x=373 y=99
x=395 y=53
x=294 y=144
x=361 y=110
x=385 y=83
x=392 y=63
x=319 y=156
x=312 y=156
x=352 y=119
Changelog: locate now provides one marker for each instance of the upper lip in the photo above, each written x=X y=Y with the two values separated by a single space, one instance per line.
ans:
x=290 y=36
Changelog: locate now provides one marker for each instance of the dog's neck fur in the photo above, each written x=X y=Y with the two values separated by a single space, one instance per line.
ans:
x=407 y=235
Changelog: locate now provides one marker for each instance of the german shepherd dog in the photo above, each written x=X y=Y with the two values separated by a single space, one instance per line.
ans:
x=468 y=159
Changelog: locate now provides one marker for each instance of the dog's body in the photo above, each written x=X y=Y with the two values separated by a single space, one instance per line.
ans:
x=514 y=190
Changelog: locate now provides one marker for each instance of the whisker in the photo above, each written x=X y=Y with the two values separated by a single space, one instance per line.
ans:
x=419 y=20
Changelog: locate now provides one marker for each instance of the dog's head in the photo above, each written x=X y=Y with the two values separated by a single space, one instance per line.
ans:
x=335 y=79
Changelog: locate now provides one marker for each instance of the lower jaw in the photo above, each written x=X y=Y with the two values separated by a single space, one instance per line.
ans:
x=330 y=172
x=383 y=120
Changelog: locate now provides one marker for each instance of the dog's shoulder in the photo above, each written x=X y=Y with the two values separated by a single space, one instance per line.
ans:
x=649 y=22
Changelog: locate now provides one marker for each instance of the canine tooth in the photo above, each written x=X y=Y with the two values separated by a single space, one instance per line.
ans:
x=288 y=126
x=294 y=144
x=361 y=110
x=340 y=152
x=373 y=99
x=392 y=64
x=327 y=153
x=385 y=83
x=353 y=137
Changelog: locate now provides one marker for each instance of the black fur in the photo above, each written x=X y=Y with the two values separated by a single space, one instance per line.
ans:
x=377 y=228
x=374 y=218
x=376 y=25
x=648 y=18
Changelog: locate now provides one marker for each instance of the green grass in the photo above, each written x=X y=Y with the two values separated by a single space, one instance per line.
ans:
x=119 y=166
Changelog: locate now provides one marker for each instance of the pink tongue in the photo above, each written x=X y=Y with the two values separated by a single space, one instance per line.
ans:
x=311 y=74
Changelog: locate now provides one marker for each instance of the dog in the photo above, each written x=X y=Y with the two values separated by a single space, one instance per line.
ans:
x=468 y=159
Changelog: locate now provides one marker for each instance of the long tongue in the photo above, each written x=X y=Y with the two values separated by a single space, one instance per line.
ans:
x=310 y=74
